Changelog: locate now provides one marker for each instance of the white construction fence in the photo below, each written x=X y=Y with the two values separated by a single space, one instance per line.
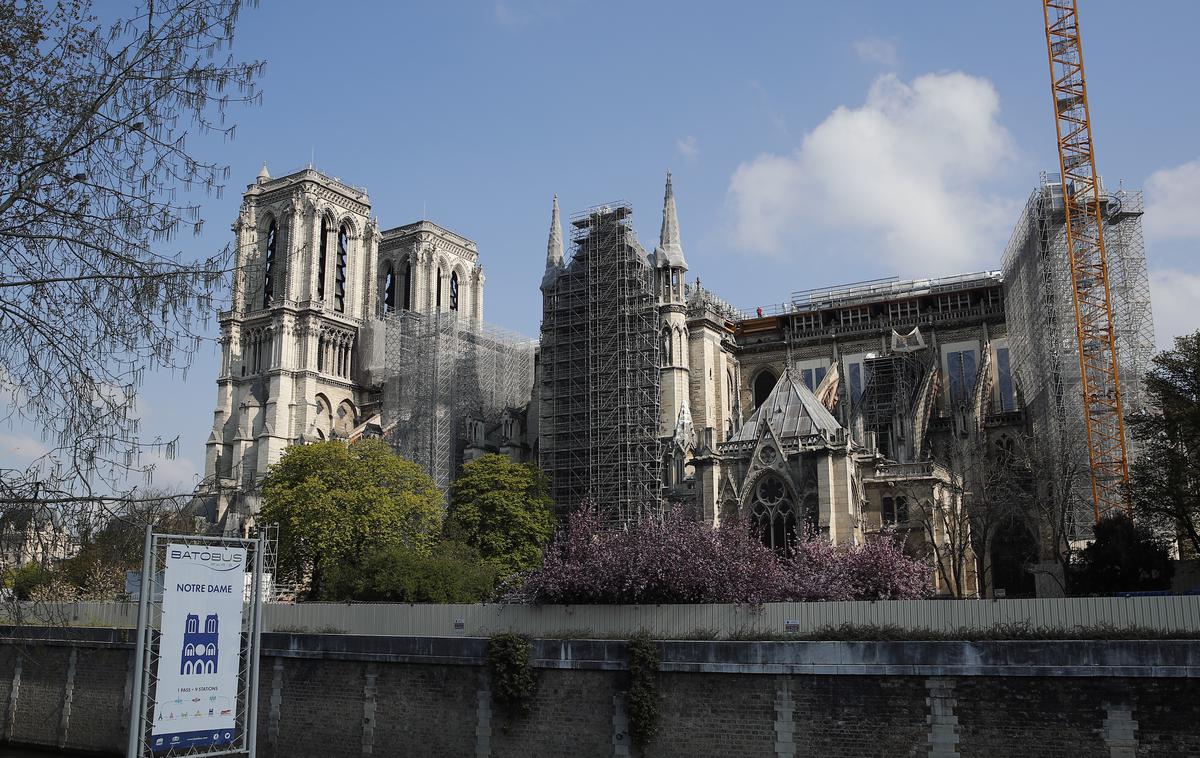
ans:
x=1162 y=614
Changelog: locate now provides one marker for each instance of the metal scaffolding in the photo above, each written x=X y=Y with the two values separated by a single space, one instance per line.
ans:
x=890 y=406
x=600 y=372
x=1039 y=310
x=439 y=372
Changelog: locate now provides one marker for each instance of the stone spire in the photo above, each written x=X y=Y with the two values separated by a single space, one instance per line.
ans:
x=670 y=250
x=554 y=247
x=264 y=175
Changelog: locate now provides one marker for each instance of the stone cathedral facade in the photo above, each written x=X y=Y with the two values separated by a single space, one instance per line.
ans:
x=314 y=275
x=825 y=412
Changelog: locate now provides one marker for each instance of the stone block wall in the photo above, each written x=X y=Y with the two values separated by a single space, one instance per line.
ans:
x=346 y=695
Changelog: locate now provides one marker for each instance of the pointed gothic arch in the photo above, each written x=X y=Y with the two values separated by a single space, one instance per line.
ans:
x=389 y=288
x=774 y=512
x=340 y=272
x=764 y=381
x=406 y=276
x=270 y=246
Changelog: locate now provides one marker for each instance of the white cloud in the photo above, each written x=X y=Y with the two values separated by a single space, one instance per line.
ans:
x=1173 y=202
x=17 y=449
x=688 y=147
x=176 y=474
x=907 y=170
x=1174 y=295
x=877 y=50
x=518 y=14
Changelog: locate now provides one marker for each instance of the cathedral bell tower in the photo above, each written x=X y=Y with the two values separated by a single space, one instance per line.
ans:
x=670 y=268
x=306 y=258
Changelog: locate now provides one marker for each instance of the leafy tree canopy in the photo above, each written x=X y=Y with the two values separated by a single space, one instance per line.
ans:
x=338 y=504
x=503 y=510
x=451 y=573
x=1166 y=476
x=1123 y=558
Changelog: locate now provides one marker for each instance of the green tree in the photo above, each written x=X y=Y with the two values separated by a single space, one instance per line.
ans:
x=1166 y=476
x=1124 y=557
x=503 y=510
x=451 y=573
x=338 y=504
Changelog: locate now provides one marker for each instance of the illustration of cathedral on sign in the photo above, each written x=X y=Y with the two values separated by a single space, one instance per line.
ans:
x=835 y=410
x=199 y=654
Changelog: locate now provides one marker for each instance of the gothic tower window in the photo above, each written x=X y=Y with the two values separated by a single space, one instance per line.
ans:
x=731 y=388
x=343 y=253
x=439 y=288
x=321 y=258
x=454 y=290
x=406 y=272
x=763 y=384
x=774 y=514
x=389 y=290
x=269 y=266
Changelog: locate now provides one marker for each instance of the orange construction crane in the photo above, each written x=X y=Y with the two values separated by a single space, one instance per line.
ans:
x=1084 y=199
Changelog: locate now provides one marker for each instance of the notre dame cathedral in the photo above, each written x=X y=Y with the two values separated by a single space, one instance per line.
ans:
x=643 y=389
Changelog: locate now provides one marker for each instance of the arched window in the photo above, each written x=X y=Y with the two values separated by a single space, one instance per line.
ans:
x=344 y=423
x=389 y=290
x=774 y=514
x=763 y=384
x=731 y=388
x=269 y=266
x=189 y=650
x=187 y=667
x=453 y=290
x=439 y=288
x=339 y=292
x=406 y=272
x=321 y=258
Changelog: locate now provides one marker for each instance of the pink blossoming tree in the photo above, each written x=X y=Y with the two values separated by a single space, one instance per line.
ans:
x=679 y=560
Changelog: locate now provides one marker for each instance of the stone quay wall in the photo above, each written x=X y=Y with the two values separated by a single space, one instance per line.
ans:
x=360 y=695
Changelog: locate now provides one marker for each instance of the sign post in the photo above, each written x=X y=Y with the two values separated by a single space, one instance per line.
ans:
x=198 y=638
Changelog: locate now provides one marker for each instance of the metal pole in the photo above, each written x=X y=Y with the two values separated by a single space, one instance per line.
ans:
x=255 y=647
x=137 y=698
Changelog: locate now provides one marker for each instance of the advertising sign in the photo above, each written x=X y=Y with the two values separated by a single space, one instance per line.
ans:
x=195 y=703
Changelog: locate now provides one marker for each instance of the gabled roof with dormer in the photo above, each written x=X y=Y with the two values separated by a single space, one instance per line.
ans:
x=792 y=410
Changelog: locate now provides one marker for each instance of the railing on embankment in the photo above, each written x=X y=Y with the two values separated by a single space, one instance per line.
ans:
x=1165 y=614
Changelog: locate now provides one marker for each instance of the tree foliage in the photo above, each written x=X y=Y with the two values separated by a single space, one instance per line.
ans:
x=338 y=504
x=97 y=161
x=503 y=510
x=679 y=560
x=1166 y=476
x=1124 y=557
x=450 y=573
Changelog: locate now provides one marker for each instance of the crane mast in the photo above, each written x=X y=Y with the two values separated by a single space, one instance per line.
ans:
x=1083 y=203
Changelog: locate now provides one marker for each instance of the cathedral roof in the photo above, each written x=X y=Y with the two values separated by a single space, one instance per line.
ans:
x=792 y=410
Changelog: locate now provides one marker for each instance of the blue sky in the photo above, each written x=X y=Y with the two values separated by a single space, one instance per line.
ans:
x=811 y=143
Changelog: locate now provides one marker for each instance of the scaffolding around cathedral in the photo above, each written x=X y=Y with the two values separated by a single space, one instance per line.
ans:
x=1039 y=310
x=600 y=372
x=442 y=370
x=890 y=406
